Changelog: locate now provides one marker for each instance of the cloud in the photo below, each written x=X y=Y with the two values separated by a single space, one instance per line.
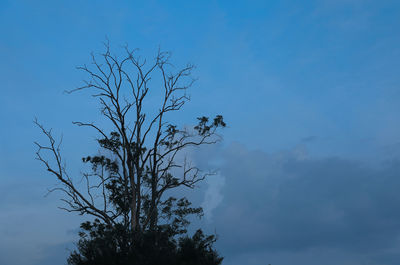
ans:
x=56 y=253
x=289 y=203
x=212 y=196
x=33 y=230
x=308 y=139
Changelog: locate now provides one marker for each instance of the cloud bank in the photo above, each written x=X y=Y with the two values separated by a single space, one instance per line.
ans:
x=287 y=208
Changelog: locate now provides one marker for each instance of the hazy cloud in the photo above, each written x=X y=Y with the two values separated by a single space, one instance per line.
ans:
x=308 y=139
x=213 y=196
x=286 y=203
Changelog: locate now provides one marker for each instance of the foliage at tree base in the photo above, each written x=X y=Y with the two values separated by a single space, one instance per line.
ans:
x=102 y=244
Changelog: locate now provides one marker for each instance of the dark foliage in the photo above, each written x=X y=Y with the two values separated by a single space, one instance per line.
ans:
x=110 y=245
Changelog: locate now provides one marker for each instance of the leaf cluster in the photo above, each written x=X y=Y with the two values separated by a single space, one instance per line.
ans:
x=102 y=244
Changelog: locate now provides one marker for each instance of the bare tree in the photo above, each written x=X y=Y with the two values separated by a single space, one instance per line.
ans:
x=128 y=187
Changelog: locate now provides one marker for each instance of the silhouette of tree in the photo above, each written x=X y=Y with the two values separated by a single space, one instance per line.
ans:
x=126 y=191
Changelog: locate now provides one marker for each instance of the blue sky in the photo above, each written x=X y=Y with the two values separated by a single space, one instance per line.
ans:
x=309 y=89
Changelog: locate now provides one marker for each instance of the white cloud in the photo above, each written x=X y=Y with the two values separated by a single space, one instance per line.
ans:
x=213 y=195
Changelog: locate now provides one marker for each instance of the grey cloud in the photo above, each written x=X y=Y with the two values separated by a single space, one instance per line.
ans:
x=392 y=150
x=309 y=139
x=56 y=254
x=286 y=202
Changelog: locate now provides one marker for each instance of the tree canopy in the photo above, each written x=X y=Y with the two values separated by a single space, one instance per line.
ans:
x=129 y=189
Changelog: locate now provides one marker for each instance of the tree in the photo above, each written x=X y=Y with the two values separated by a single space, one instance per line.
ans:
x=126 y=191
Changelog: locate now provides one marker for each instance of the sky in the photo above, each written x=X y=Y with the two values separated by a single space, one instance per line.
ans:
x=308 y=172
